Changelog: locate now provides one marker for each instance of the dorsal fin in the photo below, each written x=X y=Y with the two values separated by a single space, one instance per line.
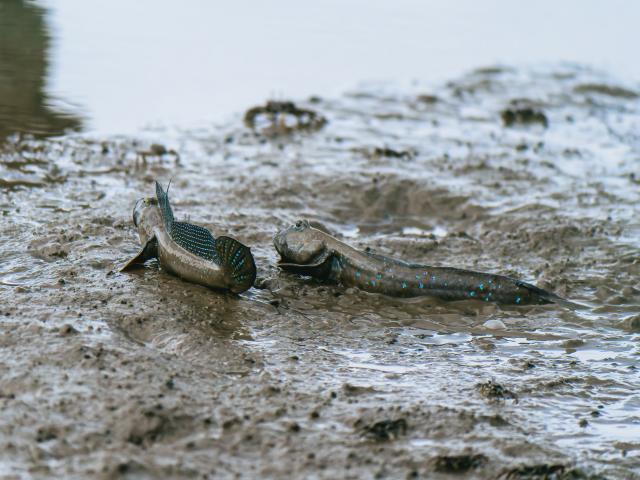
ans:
x=165 y=206
x=391 y=260
x=195 y=239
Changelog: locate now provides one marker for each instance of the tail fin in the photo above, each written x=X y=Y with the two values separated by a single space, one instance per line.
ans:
x=237 y=263
x=550 y=297
x=566 y=303
x=165 y=206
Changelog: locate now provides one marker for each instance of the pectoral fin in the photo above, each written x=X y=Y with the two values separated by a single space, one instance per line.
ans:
x=318 y=269
x=148 y=251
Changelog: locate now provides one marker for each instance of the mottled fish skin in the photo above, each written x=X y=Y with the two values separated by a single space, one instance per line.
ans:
x=309 y=251
x=190 y=251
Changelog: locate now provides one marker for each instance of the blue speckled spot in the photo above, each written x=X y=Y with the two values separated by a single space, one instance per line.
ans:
x=404 y=285
x=378 y=276
x=417 y=277
x=420 y=285
x=518 y=300
x=357 y=274
x=373 y=283
x=481 y=286
x=433 y=278
x=472 y=294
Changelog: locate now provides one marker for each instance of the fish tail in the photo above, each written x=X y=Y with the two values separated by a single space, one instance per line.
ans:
x=165 y=206
x=549 y=297
x=237 y=263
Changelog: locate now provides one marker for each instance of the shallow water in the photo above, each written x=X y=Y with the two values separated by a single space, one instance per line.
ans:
x=117 y=67
x=143 y=374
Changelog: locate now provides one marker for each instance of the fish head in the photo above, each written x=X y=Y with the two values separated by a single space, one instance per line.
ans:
x=300 y=244
x=141 y=205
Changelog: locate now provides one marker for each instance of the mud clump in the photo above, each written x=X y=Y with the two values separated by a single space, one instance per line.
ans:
x=523 y=115
x=458 y=463
x=495 y=392
x=604 y=89
x=632 y=323
x=148 y=426
x=282 y=118
x=428 y=99
x=386 y=152
x=158 y=151
x=385 y=430
x=67 y=330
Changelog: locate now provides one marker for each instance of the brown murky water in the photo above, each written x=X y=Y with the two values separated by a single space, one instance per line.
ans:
x=533 y=174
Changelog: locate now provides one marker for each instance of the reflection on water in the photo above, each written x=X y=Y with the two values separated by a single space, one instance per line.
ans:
x=24 y=49
x=136 y=67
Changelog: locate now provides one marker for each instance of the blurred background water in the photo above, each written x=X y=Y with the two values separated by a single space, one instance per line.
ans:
x=121 y=66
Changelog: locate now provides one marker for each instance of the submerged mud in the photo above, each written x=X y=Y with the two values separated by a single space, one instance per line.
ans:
x=106 y=374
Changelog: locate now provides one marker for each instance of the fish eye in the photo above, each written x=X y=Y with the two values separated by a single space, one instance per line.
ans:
x=299 y=224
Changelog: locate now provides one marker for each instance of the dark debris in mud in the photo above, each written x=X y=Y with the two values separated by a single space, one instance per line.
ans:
x=385 y=430
x=522 y=114
x=388 y=152
x=495 y=392
x=458 y=464
x=608 y=90
x=547 y=472
x=156 y=150
x=282 y=118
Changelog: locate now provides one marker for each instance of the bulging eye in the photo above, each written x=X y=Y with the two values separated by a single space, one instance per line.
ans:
x=300 y=225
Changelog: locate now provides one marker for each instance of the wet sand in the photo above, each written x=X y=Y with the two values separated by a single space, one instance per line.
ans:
x=533 y=174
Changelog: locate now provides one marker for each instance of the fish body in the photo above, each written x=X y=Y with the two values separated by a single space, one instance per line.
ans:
x=189 y=251
x=309 y=251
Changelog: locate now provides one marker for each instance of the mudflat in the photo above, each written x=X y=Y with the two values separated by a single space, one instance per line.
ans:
x=528 y=173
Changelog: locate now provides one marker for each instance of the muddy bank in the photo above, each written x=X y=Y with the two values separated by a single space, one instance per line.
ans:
x=144 y=376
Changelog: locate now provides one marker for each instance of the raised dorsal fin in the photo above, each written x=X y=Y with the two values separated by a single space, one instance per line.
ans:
x=195 y=239
x=165 y=206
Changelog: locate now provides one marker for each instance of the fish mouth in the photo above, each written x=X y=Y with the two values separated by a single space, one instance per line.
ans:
x=315 y=261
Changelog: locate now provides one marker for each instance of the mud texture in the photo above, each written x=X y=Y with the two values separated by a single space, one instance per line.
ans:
x=141 y=375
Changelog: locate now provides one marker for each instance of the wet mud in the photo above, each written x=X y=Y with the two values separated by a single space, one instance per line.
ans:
x=142 y=375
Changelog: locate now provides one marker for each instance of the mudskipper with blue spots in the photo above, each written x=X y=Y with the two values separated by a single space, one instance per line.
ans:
x=308 y=251
x=189 y=251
